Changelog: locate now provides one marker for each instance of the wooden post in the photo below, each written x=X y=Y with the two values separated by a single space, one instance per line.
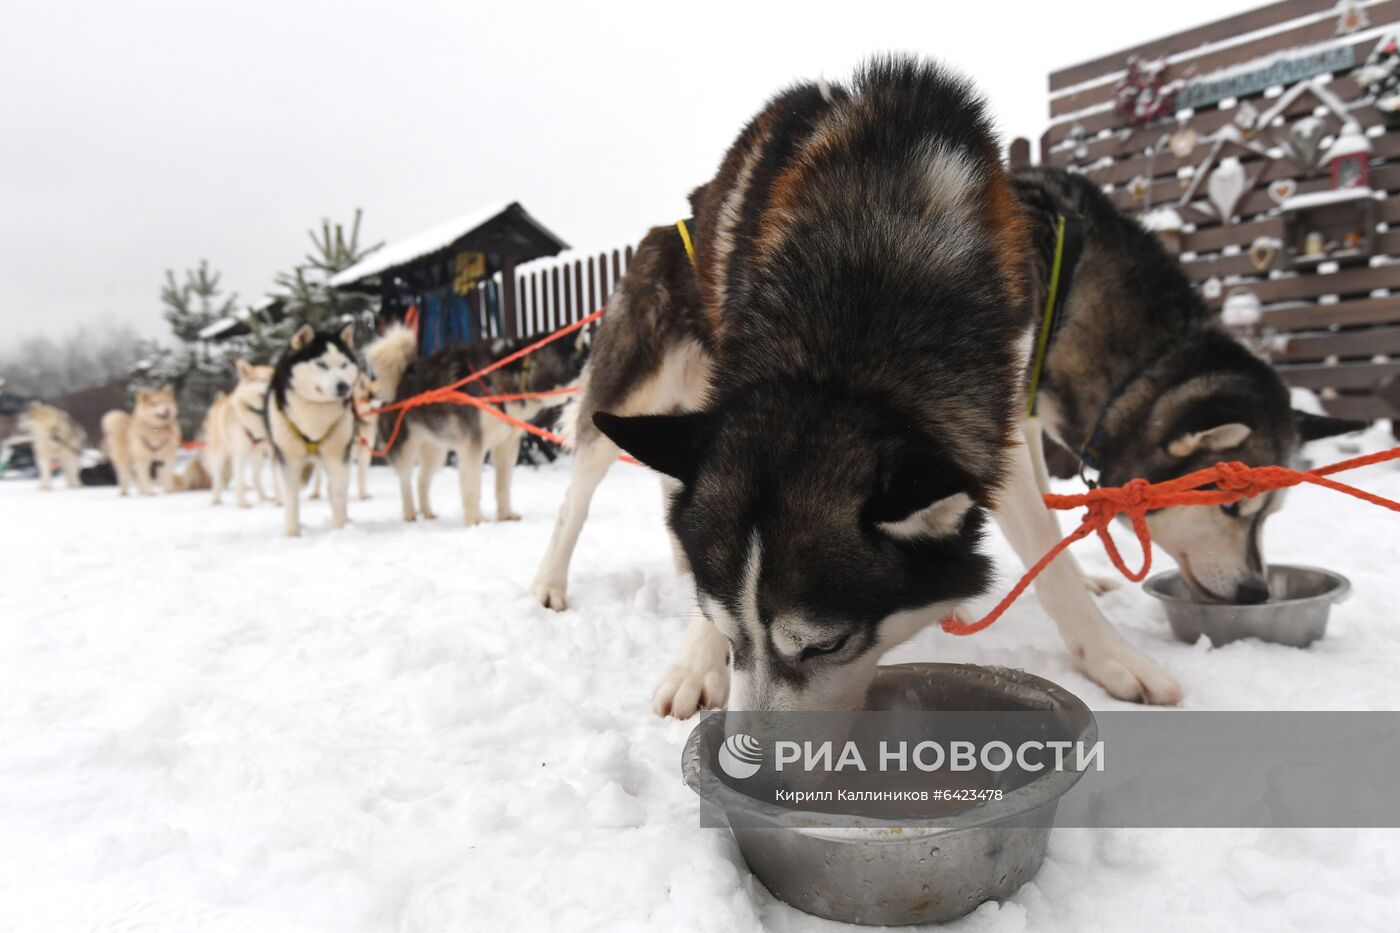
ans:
x=1019 y=153
x=508 y=329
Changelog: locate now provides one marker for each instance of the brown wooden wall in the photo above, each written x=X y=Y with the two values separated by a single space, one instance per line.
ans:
x=1335 y=332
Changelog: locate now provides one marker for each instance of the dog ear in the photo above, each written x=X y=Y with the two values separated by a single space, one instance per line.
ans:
x=923 y=495
x=143 y=396
x=245 y=369
x=1220 y=437
x=1315 y=427
x=670 y=444
x=304 y=335
x=347 y=335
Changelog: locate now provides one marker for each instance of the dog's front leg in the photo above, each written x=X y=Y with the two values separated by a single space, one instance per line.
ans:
x=256 y=461
x=45 y=468
x=291 y=496
x=470 y=457
x=362 y=456
x=1034 y=434
x=595 y=454
x=338 y=490
x=699 y=677
x=431 y=458
x=1098 y=648
x=143 y=467
x=72 y=471
x=503 y=457
x=218 y=479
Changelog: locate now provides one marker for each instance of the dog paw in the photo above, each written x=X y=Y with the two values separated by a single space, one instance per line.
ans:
x=365 y=497
x=689 y=687
x=470 y=520
x=1129 y=676
x=550 y=594
x=410 y=517
x=508 y=517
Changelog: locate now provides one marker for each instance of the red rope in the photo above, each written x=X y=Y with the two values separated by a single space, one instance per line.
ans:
x=1221 y=484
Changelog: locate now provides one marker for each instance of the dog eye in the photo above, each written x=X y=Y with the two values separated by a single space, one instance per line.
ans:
x=321 y=365
x=1232 y=510
x=826 y=647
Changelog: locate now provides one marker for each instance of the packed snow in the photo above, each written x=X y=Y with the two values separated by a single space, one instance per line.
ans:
x=205 y=725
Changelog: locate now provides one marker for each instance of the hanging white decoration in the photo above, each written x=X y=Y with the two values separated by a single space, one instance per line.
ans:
x=1226 y=185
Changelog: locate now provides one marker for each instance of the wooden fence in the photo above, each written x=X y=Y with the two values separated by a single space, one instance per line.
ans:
x=551 y=295
x=1328 y=326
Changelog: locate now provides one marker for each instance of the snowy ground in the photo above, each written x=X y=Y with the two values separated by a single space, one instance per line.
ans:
x=204 y=725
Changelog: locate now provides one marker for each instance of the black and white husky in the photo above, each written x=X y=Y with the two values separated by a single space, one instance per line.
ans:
x=311 y=418
x=833 y=394
x=430 y=431
x=1140 y=380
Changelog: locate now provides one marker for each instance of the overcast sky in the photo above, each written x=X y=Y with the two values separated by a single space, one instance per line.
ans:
x=137 y=136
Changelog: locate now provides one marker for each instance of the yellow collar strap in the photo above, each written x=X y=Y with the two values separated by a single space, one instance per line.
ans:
x=313 y=448
x=1069 y=244
x=684 y=231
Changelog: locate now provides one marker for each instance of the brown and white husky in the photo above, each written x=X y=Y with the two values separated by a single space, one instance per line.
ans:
x=56 y=437
x=148 y=436
x=235 y=435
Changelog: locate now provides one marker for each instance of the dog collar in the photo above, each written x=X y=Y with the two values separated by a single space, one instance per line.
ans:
x=1091 y=452
x=1069 y=246
x=683 y=228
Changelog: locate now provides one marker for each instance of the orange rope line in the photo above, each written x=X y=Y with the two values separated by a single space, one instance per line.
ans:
x=1231 y=482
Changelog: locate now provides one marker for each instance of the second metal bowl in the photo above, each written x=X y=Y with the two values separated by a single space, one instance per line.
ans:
x=1296 y=614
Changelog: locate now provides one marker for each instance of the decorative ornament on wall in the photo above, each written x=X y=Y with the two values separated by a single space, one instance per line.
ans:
x=1305 y=138
x=1247 y=119
x=1262 y=252
x=1211 y=288
x=1225 y=187
x=1138 y=188
x=1351 y=17
x=1282 y=189
x=1379 y=78
x=1183 y=142
x=1144 y=95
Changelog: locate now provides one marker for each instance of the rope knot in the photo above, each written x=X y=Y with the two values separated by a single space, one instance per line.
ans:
x=1134 y=496
x=1233 y=476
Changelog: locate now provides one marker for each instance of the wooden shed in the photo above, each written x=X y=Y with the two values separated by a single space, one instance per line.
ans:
x=459 y=277
x=1265 y=149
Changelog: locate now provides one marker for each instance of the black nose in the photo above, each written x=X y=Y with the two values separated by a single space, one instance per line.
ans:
x=1252 y=592
x=342 y=389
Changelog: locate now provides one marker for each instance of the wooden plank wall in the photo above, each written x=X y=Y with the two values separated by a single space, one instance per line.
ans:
x=1337 y=332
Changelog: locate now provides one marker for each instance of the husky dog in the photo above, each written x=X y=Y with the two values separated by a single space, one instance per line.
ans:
x=56 y=437
x=147 y=436
x=309 y=417
x=834 y=394
x=429 y=432
x=1140 y=380
x=235 y=434
x=366 y=397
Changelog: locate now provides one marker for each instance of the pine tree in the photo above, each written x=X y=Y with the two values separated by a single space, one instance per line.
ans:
x=308 y=298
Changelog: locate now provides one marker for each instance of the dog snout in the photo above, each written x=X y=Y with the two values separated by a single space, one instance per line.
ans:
x=342 y=389
x=1252 y=592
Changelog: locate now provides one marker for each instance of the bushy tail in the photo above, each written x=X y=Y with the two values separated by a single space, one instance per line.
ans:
x=389 y=356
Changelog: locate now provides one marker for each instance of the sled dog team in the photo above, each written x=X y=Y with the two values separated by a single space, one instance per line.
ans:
x=828 y=365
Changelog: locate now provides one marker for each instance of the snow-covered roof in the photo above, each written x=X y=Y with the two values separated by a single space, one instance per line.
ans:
x=1319 y=198
x=235 y=320
x=1351 y=141
x=435 y=239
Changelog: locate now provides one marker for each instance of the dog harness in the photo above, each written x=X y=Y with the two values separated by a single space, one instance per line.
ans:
x=683 y=228
x=313 y=448
x=1069 y=246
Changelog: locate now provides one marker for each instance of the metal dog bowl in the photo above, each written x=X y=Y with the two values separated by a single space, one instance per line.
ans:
x=1296 y=614
x=902 y=872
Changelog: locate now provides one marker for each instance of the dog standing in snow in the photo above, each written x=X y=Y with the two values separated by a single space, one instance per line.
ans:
x=235 y=435
x=56 y=437
x=430 y=431
x=148 y=436
x=833 y=393
x=310 y=419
